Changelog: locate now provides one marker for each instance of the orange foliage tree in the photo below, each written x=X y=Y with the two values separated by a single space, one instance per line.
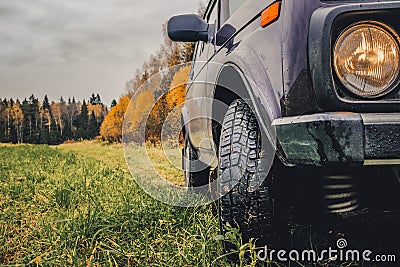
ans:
x=177 y=92
x=166 y=104
x=135 y=120
x=18 y=118
x=111 y=129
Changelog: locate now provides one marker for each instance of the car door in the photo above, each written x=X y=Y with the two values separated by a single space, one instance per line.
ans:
x=226 y=30
x=254 y=53
x=195 y=112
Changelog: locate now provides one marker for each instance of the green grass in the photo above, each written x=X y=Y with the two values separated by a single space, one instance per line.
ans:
x=112 y=155
x=76 y=205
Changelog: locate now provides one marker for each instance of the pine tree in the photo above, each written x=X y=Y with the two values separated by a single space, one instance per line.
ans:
x=92 y=99
x=113 y=103
x=93 y=127
x=6 y=118
x=98 y=100
x=72 y=112
x=46 y=103
x=83 y=122
x=34 y=110
x=111 y=128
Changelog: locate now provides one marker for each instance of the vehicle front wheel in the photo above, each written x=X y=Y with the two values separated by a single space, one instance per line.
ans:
x=243 y=205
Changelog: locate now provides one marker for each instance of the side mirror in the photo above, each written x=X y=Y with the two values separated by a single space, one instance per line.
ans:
x=224 y=34
x=188 y=28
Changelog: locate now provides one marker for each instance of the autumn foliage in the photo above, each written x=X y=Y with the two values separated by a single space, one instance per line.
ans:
x=166 y=104
x=169 y=56
x=111 y=129
x=141 y=127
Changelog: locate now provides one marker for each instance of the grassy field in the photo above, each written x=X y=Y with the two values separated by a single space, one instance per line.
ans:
x=77 y=205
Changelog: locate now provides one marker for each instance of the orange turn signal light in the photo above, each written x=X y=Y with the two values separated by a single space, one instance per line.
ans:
x=271 y=14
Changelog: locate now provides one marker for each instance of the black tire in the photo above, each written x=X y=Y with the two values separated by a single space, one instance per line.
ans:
x=239 y=167
x=196 y=173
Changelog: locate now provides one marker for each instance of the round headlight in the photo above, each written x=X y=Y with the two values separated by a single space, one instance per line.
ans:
x=366 y=60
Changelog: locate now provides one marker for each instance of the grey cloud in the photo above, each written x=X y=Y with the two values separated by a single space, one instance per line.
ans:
x=78 y=45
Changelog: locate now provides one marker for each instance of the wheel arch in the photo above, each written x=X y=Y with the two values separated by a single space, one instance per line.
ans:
x=229 y=87
x=232 y=83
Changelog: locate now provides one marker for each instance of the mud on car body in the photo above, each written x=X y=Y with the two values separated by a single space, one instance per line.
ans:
x=318 y=81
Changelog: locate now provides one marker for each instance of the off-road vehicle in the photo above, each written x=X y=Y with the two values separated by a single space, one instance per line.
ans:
x=311 y=87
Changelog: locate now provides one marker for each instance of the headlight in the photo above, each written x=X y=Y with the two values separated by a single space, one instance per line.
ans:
x=366 y=60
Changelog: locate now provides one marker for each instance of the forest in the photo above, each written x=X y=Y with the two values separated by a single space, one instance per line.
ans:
x=44 y=122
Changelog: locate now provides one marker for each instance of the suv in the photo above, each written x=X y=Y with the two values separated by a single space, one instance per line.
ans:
x=299 y=103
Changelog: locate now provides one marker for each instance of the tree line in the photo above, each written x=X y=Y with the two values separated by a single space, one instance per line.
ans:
x=44 y=122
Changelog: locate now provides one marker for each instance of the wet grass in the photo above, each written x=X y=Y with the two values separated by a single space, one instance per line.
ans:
x=77 y=205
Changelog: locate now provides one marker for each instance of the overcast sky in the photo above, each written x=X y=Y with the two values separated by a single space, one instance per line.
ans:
x=76 y=47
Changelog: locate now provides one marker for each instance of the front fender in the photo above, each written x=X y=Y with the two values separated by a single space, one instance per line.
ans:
x=256 y=85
